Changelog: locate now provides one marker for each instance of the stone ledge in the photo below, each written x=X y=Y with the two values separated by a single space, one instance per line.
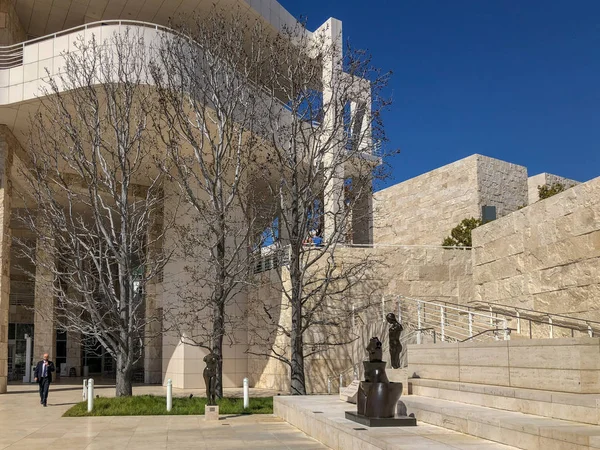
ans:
x=322 y=417
x=523 y=431
x=543 y=396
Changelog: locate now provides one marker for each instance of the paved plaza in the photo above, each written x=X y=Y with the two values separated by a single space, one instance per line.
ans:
x=25 y=424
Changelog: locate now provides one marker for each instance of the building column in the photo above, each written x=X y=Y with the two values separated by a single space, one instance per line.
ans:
x=362 y=212
x=330 y=36
x=44 y=327
x=153 y=311
x=6 y=160
x=74 y=352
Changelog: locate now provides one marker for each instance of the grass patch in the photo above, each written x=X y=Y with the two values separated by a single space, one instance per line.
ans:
x=150 y=405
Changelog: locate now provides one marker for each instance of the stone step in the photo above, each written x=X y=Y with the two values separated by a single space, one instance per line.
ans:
x=516 y=429
x=323 y=418
x=584 y=408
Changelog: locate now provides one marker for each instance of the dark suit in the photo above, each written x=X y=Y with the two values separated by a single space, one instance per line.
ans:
x=44 y=378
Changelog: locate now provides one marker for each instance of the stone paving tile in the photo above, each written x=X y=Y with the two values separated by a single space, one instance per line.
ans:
x=25 y=424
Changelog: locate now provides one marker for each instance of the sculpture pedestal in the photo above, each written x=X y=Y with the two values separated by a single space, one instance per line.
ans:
x=401 y=421
x=211 y=412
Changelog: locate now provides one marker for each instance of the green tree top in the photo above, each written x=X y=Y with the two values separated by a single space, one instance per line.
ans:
x=548 y=190
x=460 y=236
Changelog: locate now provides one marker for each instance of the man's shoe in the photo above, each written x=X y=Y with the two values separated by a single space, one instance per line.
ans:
x=41 y=402
x=45 y=405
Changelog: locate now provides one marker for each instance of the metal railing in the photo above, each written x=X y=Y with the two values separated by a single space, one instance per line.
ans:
x=531 y=316
x=274 y=259
x=12 y=55
x=451 y=323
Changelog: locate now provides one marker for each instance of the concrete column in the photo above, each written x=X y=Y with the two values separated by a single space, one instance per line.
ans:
x=153 y=311
x=6 y=160
x=44 y=325
x=362 y=212
x=330 y=36
x=74 y=352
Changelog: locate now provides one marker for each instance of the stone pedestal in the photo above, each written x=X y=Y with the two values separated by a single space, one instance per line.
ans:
x=350 y=392
x=211 y=413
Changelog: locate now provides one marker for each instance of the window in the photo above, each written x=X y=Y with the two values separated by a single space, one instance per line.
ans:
x=488 y=213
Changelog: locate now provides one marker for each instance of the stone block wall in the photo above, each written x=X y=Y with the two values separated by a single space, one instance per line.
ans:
x=424 y=210
x=544 y=257
x=421 y=272
x=501 y=184
x=545 y=178
x=11 y=30
x=562 y=365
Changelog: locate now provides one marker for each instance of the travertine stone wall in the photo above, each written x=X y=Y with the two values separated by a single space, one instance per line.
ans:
x=11 y=30
x=43 y=319
x=545 y=256
x=425 y=273
x=501 y=184
x=424 y=209
x=545 y=178
x=6 y=159
x=563 y=365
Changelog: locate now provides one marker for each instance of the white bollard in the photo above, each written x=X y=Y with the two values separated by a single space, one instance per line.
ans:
x=246 y=394
x=90 y=396
x=85 y=388
x=169 y=394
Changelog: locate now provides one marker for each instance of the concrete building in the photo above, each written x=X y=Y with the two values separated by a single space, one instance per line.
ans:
x=403 y=226
x=35 y=35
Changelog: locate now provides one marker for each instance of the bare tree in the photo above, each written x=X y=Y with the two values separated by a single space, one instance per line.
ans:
x=208 y=100
x=322 y=122
x=94 y=196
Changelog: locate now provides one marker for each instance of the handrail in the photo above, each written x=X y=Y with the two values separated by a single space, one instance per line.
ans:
x=463 y=310
x=545 y=313
x=495 y=330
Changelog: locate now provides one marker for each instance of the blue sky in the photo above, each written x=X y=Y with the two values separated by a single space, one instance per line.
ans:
x=511 y=79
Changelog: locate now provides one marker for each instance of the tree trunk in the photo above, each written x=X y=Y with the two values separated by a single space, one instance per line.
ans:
x=219 y=311
x=217 y=347
x=124 y=376
x=298 y=383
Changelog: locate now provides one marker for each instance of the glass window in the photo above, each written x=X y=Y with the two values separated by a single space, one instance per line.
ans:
x=23 y=329
x=11 y=331
x=61 y=349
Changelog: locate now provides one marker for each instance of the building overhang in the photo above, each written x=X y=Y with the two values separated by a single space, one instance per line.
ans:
x=43 y=17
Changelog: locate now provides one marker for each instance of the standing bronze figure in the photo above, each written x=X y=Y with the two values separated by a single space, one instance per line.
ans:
x=394 y=339
x=210 y=378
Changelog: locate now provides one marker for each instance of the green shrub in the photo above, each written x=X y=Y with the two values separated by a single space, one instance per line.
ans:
x=144 y=405
x=460 y=236
x=548 y=190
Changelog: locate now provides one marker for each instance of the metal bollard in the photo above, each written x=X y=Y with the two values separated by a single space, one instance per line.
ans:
x=90 y=395
x=246 y=394
x=329 y=385
x=341 y=382
x=169 y=394
x=85 y=388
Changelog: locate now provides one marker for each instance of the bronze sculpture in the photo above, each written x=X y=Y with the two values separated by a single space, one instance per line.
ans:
x=210 y=378
x=394 y=339
x=377 y=397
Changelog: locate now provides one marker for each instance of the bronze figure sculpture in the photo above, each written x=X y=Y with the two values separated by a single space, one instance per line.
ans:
x=210 y=378
x=377 y=397
x=394 y=339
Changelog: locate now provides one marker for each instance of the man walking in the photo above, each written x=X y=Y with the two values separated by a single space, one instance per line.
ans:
x=43 y=375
